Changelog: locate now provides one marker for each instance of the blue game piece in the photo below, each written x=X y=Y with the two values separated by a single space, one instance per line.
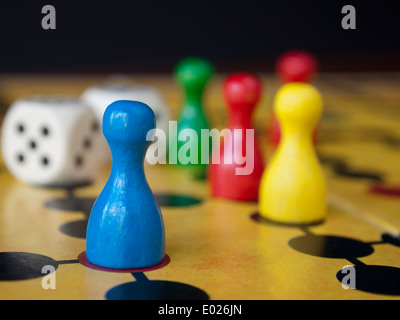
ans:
x=126 y=228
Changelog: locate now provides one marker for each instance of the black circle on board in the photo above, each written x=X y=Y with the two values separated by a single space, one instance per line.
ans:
x=76 y=229
x=260 y=219
x=156 y=290
x=68 y=186
x=95 y=126
x=175 y=200
x=23 y=265
x=342 y=169
x=372 y=278
x=330 y=246
x=71 y=204
x=393 y=240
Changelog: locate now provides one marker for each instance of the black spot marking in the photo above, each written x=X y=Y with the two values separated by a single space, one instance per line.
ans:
x=45 y=161
x=78 y=161
x=20 y=158
x=32 y=144
x=20 y=128
x=87 y=143
x=330 y=246
x=45 y=131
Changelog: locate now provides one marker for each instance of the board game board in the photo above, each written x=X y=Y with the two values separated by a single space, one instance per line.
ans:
x=219 y=249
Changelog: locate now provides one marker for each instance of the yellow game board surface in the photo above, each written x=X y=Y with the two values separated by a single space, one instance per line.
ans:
x=221 y=249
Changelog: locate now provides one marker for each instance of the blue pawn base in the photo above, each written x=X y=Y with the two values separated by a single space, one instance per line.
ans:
x=82 y=258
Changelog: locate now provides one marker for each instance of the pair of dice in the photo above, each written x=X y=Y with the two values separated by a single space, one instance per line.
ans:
x=57 y=141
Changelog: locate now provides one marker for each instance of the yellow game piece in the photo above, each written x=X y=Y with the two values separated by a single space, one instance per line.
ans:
x=293 y=187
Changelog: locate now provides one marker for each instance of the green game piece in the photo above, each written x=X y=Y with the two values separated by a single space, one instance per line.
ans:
x=192 y=74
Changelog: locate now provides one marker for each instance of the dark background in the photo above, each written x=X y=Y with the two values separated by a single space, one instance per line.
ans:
x=151 y=36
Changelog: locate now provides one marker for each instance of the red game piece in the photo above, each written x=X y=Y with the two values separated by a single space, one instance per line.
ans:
x=296 y=66
x=242 y=91
x=292 y=66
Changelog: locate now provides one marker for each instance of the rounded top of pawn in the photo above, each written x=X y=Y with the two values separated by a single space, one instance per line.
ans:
x=298 y=104
x=126 y=121
x=193 y=72
x=296 y=66
x=242 y=90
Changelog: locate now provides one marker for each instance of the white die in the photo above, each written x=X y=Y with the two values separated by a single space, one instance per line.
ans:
x=51 y=141
x=101 y=96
